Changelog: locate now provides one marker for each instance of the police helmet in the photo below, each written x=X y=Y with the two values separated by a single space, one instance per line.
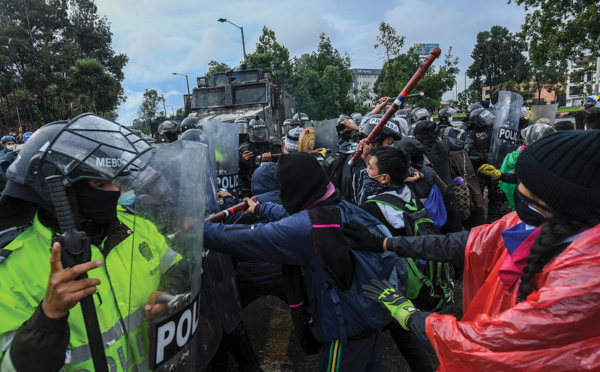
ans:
x=62 y=153
x=390 y=129
x=445 y=115
x=190 y=123
x=357 y=117
x=403 y=125
x=404 y=114
x=473 y=106
x=481 y=117
x=420 y=113
x=243 y=124
x=8 y=139
x=455 y=138
x=257 y=130
x=287 y=125
x=301 y=119
x=193 y=135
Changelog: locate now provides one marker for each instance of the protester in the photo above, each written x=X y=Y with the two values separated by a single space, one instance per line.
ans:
x=563 y=125
x=592 y=120
x=439 y=154
x=469 y=197
x=347 y=329
x=531 y=289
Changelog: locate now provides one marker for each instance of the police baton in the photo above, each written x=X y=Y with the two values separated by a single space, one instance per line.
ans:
x=399 y=102
x=227 y=212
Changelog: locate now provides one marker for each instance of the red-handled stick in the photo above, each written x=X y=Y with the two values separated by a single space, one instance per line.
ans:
x=399 y=102
x=227 y=212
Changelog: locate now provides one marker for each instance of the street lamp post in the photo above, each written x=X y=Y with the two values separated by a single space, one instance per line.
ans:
x=223 y=20
x=172 y=110
x=186 y=81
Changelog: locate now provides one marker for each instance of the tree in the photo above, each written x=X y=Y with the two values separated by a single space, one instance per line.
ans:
x=89 y=79
x=435 y=82
x=321 y=82
x=214 y=66
x=560 y=30
x=391 y=43
x=272 y=56
x=149 y=106
x=180 y=112
x=467 y=97
x=550 y=76
x=62 y=32
x=498 y=56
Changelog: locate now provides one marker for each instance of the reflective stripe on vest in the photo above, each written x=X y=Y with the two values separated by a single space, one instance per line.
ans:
x=110 y=337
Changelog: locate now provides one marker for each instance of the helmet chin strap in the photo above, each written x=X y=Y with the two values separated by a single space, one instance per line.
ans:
x=75 y=249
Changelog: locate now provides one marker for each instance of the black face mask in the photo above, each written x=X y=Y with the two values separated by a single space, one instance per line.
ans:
x=97 y=206
x=523 y=207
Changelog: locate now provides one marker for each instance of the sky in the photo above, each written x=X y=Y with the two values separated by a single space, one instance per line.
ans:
x=162 y=37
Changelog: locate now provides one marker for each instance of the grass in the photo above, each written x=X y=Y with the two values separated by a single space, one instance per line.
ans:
x=569 y=109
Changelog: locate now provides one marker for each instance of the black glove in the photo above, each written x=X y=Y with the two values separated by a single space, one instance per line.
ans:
x=362 y=238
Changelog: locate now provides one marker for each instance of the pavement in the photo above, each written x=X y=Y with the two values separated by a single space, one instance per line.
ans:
x=269 y=324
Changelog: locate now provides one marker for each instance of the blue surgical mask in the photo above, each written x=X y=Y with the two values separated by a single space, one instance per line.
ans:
x=9 y=148
x=127 y=198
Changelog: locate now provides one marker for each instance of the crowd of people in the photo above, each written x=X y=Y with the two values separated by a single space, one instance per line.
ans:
x=353 y=250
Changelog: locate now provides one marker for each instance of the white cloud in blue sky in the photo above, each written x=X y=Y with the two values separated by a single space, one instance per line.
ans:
x=162 y=37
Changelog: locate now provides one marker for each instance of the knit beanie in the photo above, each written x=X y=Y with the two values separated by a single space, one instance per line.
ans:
x=291 y=140
x=302 y=180
x=563 y=170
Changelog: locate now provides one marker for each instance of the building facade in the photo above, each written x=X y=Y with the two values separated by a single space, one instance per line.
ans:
x=365 y=77
x=580 y=85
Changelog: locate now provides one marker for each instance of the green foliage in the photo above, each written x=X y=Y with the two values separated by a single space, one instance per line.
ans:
x=498 y=56
x=321 y=81
x=272 y=56
x=435 y=82
x=550 y=76
x=63 y=32
x=149 y=106
x=561 y=29
x=180 y=112
x=390 y=42
x=467 y=97
x=214 y=66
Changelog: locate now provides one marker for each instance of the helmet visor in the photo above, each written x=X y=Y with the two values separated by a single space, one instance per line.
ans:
x=260 y=134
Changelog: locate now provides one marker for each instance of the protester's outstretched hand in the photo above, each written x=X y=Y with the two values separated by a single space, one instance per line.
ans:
x=385 y=296
x=362 y=239
x=64 y=292
x=490 y=171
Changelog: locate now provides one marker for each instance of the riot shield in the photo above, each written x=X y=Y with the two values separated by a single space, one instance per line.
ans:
x=161 y=303
x=327 y=136
x=211 y=204
x=224 y=284
x=543 y=112
x=506 y=126
x=225 y=137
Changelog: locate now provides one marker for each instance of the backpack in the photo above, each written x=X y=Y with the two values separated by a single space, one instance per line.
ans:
x=429 y=282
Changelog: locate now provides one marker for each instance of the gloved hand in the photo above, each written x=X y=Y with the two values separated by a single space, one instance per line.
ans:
x=385 y=296
x=322 y=151
x=362 y=238
x=490 y=171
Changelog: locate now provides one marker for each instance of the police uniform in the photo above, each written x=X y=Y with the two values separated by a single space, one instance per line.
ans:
x=132 y=270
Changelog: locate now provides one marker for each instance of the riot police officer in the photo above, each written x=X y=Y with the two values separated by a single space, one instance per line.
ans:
x=257 y=150
x=479 y=127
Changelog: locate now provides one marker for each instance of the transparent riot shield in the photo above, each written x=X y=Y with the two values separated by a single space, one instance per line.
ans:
x=225 y=137
x=543 y=112
x=162 y=302
x=211 y=204
x=506 y=126
x=326 y=134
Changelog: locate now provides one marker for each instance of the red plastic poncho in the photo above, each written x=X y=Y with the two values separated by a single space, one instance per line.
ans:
x=557 y=328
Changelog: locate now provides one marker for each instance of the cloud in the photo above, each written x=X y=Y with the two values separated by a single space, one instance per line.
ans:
x=183 y=36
